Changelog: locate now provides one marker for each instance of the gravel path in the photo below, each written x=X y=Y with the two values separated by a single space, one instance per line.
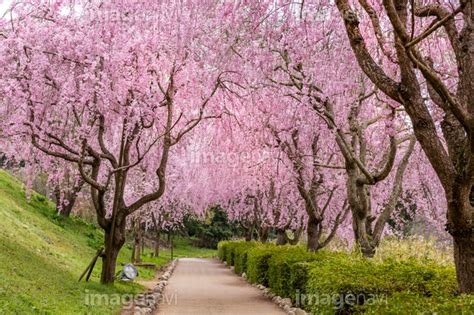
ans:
x=206 y=286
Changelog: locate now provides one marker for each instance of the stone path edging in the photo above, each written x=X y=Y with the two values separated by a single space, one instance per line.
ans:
x=284 y=303
x=146 y=303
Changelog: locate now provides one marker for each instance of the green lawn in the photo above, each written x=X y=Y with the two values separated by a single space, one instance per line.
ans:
x=42 y=256
x=182 y=248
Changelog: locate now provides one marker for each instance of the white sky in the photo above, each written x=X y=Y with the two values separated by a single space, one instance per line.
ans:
x=4 y=5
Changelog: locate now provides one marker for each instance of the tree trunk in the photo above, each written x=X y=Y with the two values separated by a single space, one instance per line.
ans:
x=464 y=261
x=361 y=236
x=296 y=236
x=138 y=244
x=248 y=236
x=281 y=237
x=133 y=252
x=66 y=209
x=313 y=234
x=157 y=244
x=109 y=262
x=263 y=235
x=461 y=228
x=112 y=249
x=170 y=240
x=65 y=205
x=248 y=233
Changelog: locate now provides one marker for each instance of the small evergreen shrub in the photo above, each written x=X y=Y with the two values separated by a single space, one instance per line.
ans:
x=257 y=263
x=332 y=280
x=342 y=284
x=412 y=276
x=230 y=252
x=279 y=268
x=412 y=303
x=240 y=256
x=221 y=249
x=299 y=276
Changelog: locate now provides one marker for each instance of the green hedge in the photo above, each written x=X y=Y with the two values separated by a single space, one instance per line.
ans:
x=412 y=303
x=299 y=276
x=346 y=282
x=340 y=283
x=229 y=253
x=235 y=254
x=240 y=256
x=280 y=278
x=221 y=249
x=257 y=263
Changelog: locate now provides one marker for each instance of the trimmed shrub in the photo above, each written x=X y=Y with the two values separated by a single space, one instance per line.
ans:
x=412 y=303
x=257 y=263
x=240 y=256
x=279 y=268
x=230 y=252
x=235 y=253
x=221 y=249
x=412 y=276
x=341 y=284
x=299 y=276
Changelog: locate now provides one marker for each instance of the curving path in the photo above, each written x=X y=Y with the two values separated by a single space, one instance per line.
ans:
x=206 y=286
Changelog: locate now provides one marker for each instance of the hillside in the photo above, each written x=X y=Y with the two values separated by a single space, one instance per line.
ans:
x=42 y=256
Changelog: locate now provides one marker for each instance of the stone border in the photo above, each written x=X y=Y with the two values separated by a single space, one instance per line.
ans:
x=147 y=302
x=284 y=303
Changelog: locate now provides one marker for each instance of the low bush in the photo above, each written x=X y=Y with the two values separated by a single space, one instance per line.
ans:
x=299 y=276
x=412 y=303
x=257 y=263
x=412 y=276
x=240 y=253
x=230 y=252
x=235 y=254
x=346 y=282
x=221 y=249
x=341 y=283
x=280 y=269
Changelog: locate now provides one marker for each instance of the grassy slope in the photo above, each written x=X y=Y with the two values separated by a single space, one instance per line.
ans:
x=42 y=256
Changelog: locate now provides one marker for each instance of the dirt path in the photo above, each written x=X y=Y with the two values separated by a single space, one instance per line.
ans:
x=206 y=286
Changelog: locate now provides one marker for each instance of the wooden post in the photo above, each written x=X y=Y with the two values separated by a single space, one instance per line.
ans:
x=143 y=234
x=171 y=245
x=91 y=265
x=157 y=244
